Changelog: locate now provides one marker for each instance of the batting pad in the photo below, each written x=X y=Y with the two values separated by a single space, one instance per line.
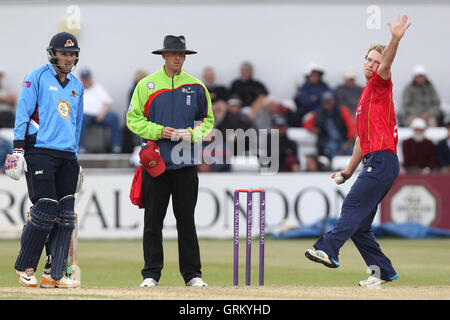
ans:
x=40 y=222
x=59 y=244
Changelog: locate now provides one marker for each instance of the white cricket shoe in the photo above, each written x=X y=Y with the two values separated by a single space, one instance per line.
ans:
x=196 y=282
x=373 y=282
x=27 y=278
x=321 y=257
x=149 y=282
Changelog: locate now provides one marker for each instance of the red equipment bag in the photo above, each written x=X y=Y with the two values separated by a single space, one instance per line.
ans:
x=136 y=189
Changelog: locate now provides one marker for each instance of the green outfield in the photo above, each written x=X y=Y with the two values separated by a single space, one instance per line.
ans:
x=117 y=264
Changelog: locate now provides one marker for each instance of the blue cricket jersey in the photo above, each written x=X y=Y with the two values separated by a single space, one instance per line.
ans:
x=49 y=113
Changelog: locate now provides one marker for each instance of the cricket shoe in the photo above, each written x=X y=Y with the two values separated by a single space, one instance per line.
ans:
x=321 y=257
x=373 y=282
x=196 y=282
x=149 y=282
x=27 y=278
x=64 y=282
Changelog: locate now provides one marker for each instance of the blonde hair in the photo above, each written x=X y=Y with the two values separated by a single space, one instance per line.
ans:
x=377 y=47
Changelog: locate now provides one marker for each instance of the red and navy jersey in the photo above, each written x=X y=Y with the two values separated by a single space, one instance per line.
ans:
x=180 y=102
x=375 y=116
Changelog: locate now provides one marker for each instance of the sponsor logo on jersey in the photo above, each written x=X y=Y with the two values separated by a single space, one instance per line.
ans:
x=74 y=94
x=187 y=90
x=53 y=88
x=63 y=108
x=150 y=85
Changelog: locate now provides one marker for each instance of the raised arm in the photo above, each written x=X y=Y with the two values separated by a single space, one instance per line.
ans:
x=397 y=31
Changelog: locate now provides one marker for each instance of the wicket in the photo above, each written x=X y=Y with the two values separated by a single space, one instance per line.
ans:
x=262 y=206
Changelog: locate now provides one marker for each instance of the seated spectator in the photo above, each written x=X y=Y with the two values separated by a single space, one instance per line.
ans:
x=211 y=148
x=234 y=119
x=264 y=109
x=246 y=87
x=420 y=99
x=419 y=153
x=8 y=103
x=219 y=108
x=308 y=95
x=129 y=139
x=5 y=149
x=316 y=163
x=97 y=110
x=334 y=125
x=443 y=152
x=216 y=91
x=348 y=93
x=288 y=149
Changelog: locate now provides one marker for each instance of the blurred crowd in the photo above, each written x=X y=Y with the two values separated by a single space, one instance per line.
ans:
x=245 y=103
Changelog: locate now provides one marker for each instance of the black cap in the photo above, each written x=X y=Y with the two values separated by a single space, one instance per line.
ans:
x=64 y=41
x=174 y=44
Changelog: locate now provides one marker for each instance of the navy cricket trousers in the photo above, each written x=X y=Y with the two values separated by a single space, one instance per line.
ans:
x=380 y=170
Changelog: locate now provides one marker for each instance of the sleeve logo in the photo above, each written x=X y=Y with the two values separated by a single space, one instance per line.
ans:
x=26 y=84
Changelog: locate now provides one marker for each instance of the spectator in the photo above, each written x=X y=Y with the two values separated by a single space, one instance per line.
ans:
x=263 y=111
x=138 y=76
x=334 y=125
x=97 y=105
x=129 y=139
x=308 y=96
x=8 y=103
x=316 y=163
x=5 y=148
x=220 y=108
x=216 y=91
x=419 y=153
x=420 y=99
x=216 y=149
x=247 y=87
x=348 y=93
x=234 y=119
x=288 y=148
x=443 y=152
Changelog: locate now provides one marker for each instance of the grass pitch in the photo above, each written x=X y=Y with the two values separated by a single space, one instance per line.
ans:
x=110 y=269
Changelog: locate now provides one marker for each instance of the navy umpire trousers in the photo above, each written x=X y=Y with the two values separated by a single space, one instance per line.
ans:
x=182 y=186
x=380 y=170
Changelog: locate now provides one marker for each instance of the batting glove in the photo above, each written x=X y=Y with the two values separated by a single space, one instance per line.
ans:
x=14 y=164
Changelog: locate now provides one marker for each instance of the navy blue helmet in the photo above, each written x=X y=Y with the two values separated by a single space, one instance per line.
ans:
x=63 y=41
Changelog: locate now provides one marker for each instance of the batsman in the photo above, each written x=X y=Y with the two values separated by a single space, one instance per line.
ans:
x=46 y=135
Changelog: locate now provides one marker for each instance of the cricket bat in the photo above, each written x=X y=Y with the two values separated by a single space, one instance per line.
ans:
x=72 y=269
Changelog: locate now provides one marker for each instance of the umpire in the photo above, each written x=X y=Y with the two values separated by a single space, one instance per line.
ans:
x=170 y=107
